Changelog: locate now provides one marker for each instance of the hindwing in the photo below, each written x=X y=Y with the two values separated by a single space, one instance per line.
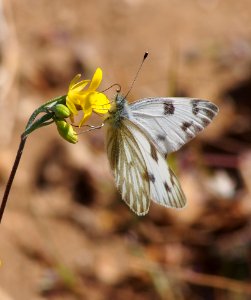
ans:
x=140 y=170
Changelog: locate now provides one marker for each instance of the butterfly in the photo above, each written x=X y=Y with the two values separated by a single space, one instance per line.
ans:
x=139 y=138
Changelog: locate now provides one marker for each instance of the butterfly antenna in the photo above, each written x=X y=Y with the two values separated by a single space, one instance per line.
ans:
x=136 y=76
x=115 y=84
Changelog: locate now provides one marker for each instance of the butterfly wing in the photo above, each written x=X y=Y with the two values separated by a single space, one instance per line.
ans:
x=171 y=122
x=129 y=168
x=141 y=171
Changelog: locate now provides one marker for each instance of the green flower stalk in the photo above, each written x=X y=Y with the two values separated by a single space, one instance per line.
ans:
x=57 y=111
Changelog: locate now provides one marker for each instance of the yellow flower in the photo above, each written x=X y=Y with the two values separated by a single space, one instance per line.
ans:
x=87 y=100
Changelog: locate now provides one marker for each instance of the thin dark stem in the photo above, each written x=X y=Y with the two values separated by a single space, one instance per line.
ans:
x=12 y=175
x=32 y=125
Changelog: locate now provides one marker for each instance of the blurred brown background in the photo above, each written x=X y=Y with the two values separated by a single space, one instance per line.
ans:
x=66 y=234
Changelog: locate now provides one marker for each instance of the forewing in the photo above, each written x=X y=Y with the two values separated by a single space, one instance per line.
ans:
x=171 y=122
x=129 y=167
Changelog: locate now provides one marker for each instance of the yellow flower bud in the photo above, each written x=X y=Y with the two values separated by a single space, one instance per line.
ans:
x=66 y=131
x=61 y=111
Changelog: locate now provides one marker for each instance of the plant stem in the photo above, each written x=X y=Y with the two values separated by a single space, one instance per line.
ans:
x=33 y=124
x=12 y=175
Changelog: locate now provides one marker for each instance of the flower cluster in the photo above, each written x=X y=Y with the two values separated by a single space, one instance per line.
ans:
x=82 y=96
x=87 y=99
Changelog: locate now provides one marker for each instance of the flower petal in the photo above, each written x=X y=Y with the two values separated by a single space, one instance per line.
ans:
x=78 y=87
x=87 y=110
x=71 y=106
x=74 y=80
x=100 y=103
x=96 y=79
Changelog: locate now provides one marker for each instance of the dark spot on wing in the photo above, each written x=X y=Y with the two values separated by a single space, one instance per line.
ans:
x=151 y=177
x=169 y=108
x=146 y=176
x=207 y=112
x=167 y=188
x=154 y=153
x=197 y=128
x=205 y=122
x=213 y=107
x=172 y=176
x=161 y=137
x=195 y=108
x=186 y=125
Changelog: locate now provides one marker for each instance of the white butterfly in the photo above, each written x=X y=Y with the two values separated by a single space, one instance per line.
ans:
x=139 y=138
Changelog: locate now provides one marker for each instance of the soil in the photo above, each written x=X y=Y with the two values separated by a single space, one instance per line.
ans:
x=66 y=233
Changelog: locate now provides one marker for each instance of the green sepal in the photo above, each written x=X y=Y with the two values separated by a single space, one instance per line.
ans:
x=61 y=111
x=66 y=131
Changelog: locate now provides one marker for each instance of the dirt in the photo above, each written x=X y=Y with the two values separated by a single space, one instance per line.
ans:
x=66 y=233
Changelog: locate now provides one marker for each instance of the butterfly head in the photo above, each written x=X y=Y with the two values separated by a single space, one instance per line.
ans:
x=119 y=110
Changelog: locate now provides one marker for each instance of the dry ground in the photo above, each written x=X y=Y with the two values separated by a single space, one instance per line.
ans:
x=66 y=234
